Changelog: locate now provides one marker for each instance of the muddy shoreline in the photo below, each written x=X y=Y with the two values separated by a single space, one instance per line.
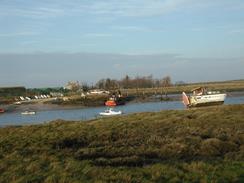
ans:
x=39 y=106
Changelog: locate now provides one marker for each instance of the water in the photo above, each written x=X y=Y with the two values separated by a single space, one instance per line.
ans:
x=90 y=113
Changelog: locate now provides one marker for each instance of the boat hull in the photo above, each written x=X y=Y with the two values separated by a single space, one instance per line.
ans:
x=206 y=104
x=110 y=103
x=110 y=112
x=106 y=114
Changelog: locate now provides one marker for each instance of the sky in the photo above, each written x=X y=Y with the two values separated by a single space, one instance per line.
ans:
x=50 y=42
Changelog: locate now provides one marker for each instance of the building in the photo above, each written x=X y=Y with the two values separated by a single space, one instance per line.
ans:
x=73 y=86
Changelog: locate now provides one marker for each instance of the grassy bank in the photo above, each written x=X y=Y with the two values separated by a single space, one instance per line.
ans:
x=88 y=101
x=199 y=145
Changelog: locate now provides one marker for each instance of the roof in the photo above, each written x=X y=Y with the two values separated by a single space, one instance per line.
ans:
x=198 y=88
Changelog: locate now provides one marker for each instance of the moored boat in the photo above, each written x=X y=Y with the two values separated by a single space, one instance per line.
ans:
x=110 y=103
x=202 y=97
x=110 y=112
x=114 y=101
x=28 y=113
x=2 y=110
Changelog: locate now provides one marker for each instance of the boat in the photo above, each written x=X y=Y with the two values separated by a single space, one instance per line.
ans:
x=202 y=97
x=110 y=112
x=28 y=113
x=111 y=102
x=18 y=103
x=2 y=110
x=114 y=101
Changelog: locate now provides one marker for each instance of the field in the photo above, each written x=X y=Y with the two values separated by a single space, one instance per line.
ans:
x=225 y=86
x=197 y=145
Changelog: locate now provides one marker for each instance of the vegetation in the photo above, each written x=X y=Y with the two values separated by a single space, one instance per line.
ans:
x=199 y=145
x=12 y=91
x=137 y=82
x=140 y=88
x=225 y=86
x=7 y=94
x=88 y=101
x=149 y=85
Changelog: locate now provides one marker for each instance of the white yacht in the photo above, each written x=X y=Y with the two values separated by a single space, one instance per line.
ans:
x=202 y=97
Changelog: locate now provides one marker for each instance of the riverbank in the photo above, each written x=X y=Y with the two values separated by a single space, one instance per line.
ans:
x=200 y=145
x=50 y=106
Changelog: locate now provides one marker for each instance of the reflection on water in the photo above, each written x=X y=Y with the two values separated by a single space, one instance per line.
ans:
x=90 y=113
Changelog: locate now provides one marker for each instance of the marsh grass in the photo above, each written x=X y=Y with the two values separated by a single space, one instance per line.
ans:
x=226 y=86
x=199 y=145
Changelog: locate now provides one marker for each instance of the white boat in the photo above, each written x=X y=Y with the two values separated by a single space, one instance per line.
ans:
x=110 y=112
x=17 y=103
x=28 y=113
x=202 y=97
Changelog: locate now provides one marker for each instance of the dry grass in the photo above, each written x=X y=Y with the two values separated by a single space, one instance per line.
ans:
x=222 y=86
x=200 y=145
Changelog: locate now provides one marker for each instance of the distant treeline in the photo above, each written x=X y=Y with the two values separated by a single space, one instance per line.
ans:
x=108 y=84
x=136 y=82
x=12 y=91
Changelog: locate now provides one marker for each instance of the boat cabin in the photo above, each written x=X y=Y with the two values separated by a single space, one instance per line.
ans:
x=198 y=91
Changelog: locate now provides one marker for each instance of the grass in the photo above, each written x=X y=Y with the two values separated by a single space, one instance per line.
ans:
x=225 y=86
x=197 y=145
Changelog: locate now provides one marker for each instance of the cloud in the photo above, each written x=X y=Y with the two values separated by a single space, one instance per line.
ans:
x=137 y=8
x=134 y=28
x=31 y=12
x=126 y=8
x=236 y=31
x=16 y=34
x=104 y=8
x=91 y=35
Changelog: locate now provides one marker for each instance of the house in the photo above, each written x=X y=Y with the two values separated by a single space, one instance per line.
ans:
x=98 y=92
x=73 y=86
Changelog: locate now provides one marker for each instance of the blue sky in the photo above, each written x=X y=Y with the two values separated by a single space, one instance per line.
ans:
x=85 y=40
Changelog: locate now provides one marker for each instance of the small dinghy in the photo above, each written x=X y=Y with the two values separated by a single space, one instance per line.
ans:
x=28 y=113
x=110 y=112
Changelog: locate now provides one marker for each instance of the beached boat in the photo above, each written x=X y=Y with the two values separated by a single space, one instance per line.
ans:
x=202 y=97
x=28 y=113
x=2 y=111
x=110 y=112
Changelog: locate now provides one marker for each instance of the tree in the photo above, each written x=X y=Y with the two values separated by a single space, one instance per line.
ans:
x=166 y=81
x=73 y=86
x=85 y=87
x=101 y=84
x=108 y=84
x=126 y=81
